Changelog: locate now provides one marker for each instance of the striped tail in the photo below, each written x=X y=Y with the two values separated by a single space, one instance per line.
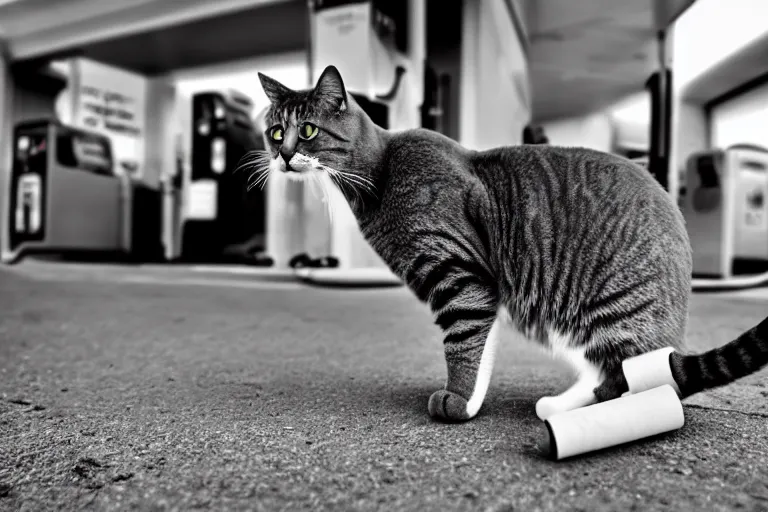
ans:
x=743 y=356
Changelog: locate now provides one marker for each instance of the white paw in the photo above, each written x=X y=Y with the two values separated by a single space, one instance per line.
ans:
x=547 y=406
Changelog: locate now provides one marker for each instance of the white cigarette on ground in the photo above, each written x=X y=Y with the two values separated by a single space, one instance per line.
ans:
x=649 y=371
x=612 y=423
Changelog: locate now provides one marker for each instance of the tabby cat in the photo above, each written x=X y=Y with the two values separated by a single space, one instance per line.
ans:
x=580 y=251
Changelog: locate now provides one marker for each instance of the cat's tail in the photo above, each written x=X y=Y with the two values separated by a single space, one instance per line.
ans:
x=743 y=356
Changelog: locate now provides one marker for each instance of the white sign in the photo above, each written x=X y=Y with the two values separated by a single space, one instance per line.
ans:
x=113 y=102
x=202 y=200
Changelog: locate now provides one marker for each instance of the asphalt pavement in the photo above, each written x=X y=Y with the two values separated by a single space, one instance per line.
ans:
x=151 y=388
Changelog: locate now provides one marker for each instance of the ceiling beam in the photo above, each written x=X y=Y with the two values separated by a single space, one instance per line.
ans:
x=108 y=20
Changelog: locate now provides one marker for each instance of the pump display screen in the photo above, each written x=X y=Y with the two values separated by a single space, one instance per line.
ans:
x=85 y=151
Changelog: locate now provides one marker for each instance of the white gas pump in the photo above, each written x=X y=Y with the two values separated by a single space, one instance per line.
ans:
x=379 y=51
x=726 y=212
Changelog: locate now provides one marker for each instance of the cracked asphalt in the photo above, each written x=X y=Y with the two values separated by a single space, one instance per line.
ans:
x=151 y=388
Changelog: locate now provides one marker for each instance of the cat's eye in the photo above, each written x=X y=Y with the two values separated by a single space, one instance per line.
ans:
x=308 y=131
x=276 y=133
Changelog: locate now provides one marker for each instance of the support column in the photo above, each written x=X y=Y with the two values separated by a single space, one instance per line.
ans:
x=470 y=21
x=160 y=172
x=6 y=145
x=660 y=87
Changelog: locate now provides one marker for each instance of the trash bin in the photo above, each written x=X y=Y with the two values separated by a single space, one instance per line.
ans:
x=726 y=208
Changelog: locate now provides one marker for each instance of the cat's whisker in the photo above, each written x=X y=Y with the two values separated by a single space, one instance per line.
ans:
x=333 y=175
x=357 y=194
x=264 y=182
x=361 y=181
x=261 y=179
x=258 y=174
x=252 y=159
x=345 y=178
x=345 y=188
x=256 y=170
x=358 y=185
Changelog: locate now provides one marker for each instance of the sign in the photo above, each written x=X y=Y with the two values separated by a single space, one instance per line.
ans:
x=112 y=102
x=108 y=111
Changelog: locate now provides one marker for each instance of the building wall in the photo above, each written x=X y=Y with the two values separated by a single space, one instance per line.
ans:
x=594 y=131
x=711 y=31
x=741 y=120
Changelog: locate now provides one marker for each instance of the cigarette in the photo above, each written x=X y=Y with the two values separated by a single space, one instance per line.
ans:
x=612 y=423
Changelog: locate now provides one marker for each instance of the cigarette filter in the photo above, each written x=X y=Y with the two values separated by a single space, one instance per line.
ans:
x=612 y=423
x=649 y=371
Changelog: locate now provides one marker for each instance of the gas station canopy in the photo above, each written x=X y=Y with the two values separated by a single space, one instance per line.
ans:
x=583 y=54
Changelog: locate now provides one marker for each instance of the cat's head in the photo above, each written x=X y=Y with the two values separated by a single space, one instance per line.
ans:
x=321 y=131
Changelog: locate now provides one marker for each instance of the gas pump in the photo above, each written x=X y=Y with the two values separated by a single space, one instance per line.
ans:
x=64 y=196
x=222 y=215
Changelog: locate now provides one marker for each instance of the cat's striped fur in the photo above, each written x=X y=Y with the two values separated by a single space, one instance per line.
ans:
x=578 y=250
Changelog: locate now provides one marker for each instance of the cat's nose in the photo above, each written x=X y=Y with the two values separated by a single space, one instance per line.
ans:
x=287 y=154
x=287 y=161
x=288 y=147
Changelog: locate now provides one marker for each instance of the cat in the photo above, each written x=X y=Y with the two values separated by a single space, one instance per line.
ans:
x=580 y=251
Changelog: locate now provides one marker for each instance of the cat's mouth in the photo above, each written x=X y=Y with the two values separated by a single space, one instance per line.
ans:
x=298 y=168
x=289 y=168
x=295 y=167
x=301 y=164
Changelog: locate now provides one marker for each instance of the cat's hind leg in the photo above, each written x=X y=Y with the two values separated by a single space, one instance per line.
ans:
x=582 y=392
x=614 y=385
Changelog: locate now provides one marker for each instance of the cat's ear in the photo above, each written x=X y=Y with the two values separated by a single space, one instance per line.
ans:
x=330 y=87
x=274 y=90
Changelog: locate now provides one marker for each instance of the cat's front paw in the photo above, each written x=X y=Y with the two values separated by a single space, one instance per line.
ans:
x=448 y=406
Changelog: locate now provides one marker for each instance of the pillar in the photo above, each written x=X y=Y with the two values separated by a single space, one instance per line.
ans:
x=161 y=149
x=6 y=145
x=660 y=87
